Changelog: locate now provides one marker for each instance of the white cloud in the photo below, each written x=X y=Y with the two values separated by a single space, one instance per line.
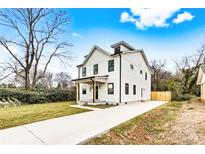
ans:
x=125 y=17
x=153 y=17
x=77 y=35
x=186 y=16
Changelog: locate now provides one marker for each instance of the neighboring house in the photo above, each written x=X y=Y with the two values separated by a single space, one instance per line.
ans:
x=121 y=77
x=201 y=80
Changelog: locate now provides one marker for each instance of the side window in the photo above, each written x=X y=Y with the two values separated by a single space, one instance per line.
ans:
x=110 y=65
x=145 y=75
x=110 y=88
x=126 y=88
x=131 y=67
x=95 y=69
x=140 y=71
x=84 y=71
x=134 y=89
x=84 y=89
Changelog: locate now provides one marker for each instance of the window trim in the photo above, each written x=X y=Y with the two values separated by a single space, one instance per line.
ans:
x=110 y=66
x=83 y=71
x=108 y=91
x=134 y=89
x=95 y=70
x=84 y=89
x=131 y=67
x=141 y=72
x=145 y=75
x=117 y=49
x=126 y=88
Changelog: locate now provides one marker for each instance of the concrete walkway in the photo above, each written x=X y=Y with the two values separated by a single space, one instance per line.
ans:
x=86 y=107
x=74 y=129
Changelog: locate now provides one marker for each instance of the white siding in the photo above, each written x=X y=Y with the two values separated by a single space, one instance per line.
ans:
x=102 y=60
x=133 y=77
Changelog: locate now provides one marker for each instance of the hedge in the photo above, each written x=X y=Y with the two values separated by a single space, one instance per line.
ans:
x=33 y=97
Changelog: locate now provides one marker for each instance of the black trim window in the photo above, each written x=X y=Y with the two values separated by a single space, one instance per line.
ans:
x=131 y=67
x=84 y=89
x=110 y=65
x=95 y=69
x=126 y=89
x=140 y=71
x=145 y=75
x=134 y=89
x=110 y=88
x=84 y=71
x=117 y=50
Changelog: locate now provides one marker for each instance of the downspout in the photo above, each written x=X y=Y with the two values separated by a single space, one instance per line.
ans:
x=120 y=78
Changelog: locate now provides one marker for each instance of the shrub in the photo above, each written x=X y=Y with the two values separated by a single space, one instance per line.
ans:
x=37 y=96
x=182 y=97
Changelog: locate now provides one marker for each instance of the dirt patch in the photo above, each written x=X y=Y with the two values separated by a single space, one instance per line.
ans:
x=189 y=126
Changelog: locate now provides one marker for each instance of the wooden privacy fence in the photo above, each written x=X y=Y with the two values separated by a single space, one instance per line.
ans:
x=161 y=95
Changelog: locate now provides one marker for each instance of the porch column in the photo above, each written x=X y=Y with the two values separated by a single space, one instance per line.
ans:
x=77 y=85
x=94 y=91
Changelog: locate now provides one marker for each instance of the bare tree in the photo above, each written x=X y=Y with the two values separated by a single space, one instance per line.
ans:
x=36 y=34
x=158 y=72
x=63 y=79
x=47 y=80
x=188 y=66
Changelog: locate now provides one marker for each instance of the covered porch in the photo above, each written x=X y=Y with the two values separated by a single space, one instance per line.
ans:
x=94 y=82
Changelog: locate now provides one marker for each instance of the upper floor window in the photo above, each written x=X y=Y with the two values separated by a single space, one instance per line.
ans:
x=126 y=88
x=117 y=50
x=145 y=75
x=110 y=88
x=84 y=89
x=95 y=69
x=131 y=67
x=134 y=89
x=140 y=71
x=84 y=71
x=110 y=65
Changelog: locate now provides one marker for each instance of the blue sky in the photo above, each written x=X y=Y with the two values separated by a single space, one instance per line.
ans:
x=162 y=33
x=169 y=40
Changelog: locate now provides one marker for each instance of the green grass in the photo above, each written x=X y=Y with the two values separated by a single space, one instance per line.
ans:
x=143 y=129
x=15 y=116
x=100 y=106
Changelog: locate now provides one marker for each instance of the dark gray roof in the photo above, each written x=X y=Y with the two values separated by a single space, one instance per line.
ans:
x=123 y=43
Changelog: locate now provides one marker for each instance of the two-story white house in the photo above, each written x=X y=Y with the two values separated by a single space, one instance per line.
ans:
x=120 y=77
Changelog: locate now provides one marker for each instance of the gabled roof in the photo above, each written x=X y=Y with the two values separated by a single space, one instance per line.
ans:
x=122 y=43
x=115 y=45
x=91 y=52
x=145 y=59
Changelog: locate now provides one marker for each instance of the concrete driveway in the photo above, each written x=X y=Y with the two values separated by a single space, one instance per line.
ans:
x=74 y=129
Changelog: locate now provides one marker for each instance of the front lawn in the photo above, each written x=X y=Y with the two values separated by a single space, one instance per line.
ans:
x=143 y=129
x=15 y=116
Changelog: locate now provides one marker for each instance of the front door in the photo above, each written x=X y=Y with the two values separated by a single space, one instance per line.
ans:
x=96 y=90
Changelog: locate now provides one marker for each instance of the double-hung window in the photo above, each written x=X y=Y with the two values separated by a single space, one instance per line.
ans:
x=126 y=89
x=84 y=89
x=95 y=69
x=110 y=88
x=84 y=71
x=134 y=89
x=110 y=65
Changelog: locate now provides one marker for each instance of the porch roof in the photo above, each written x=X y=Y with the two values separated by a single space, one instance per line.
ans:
x=101 y=79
